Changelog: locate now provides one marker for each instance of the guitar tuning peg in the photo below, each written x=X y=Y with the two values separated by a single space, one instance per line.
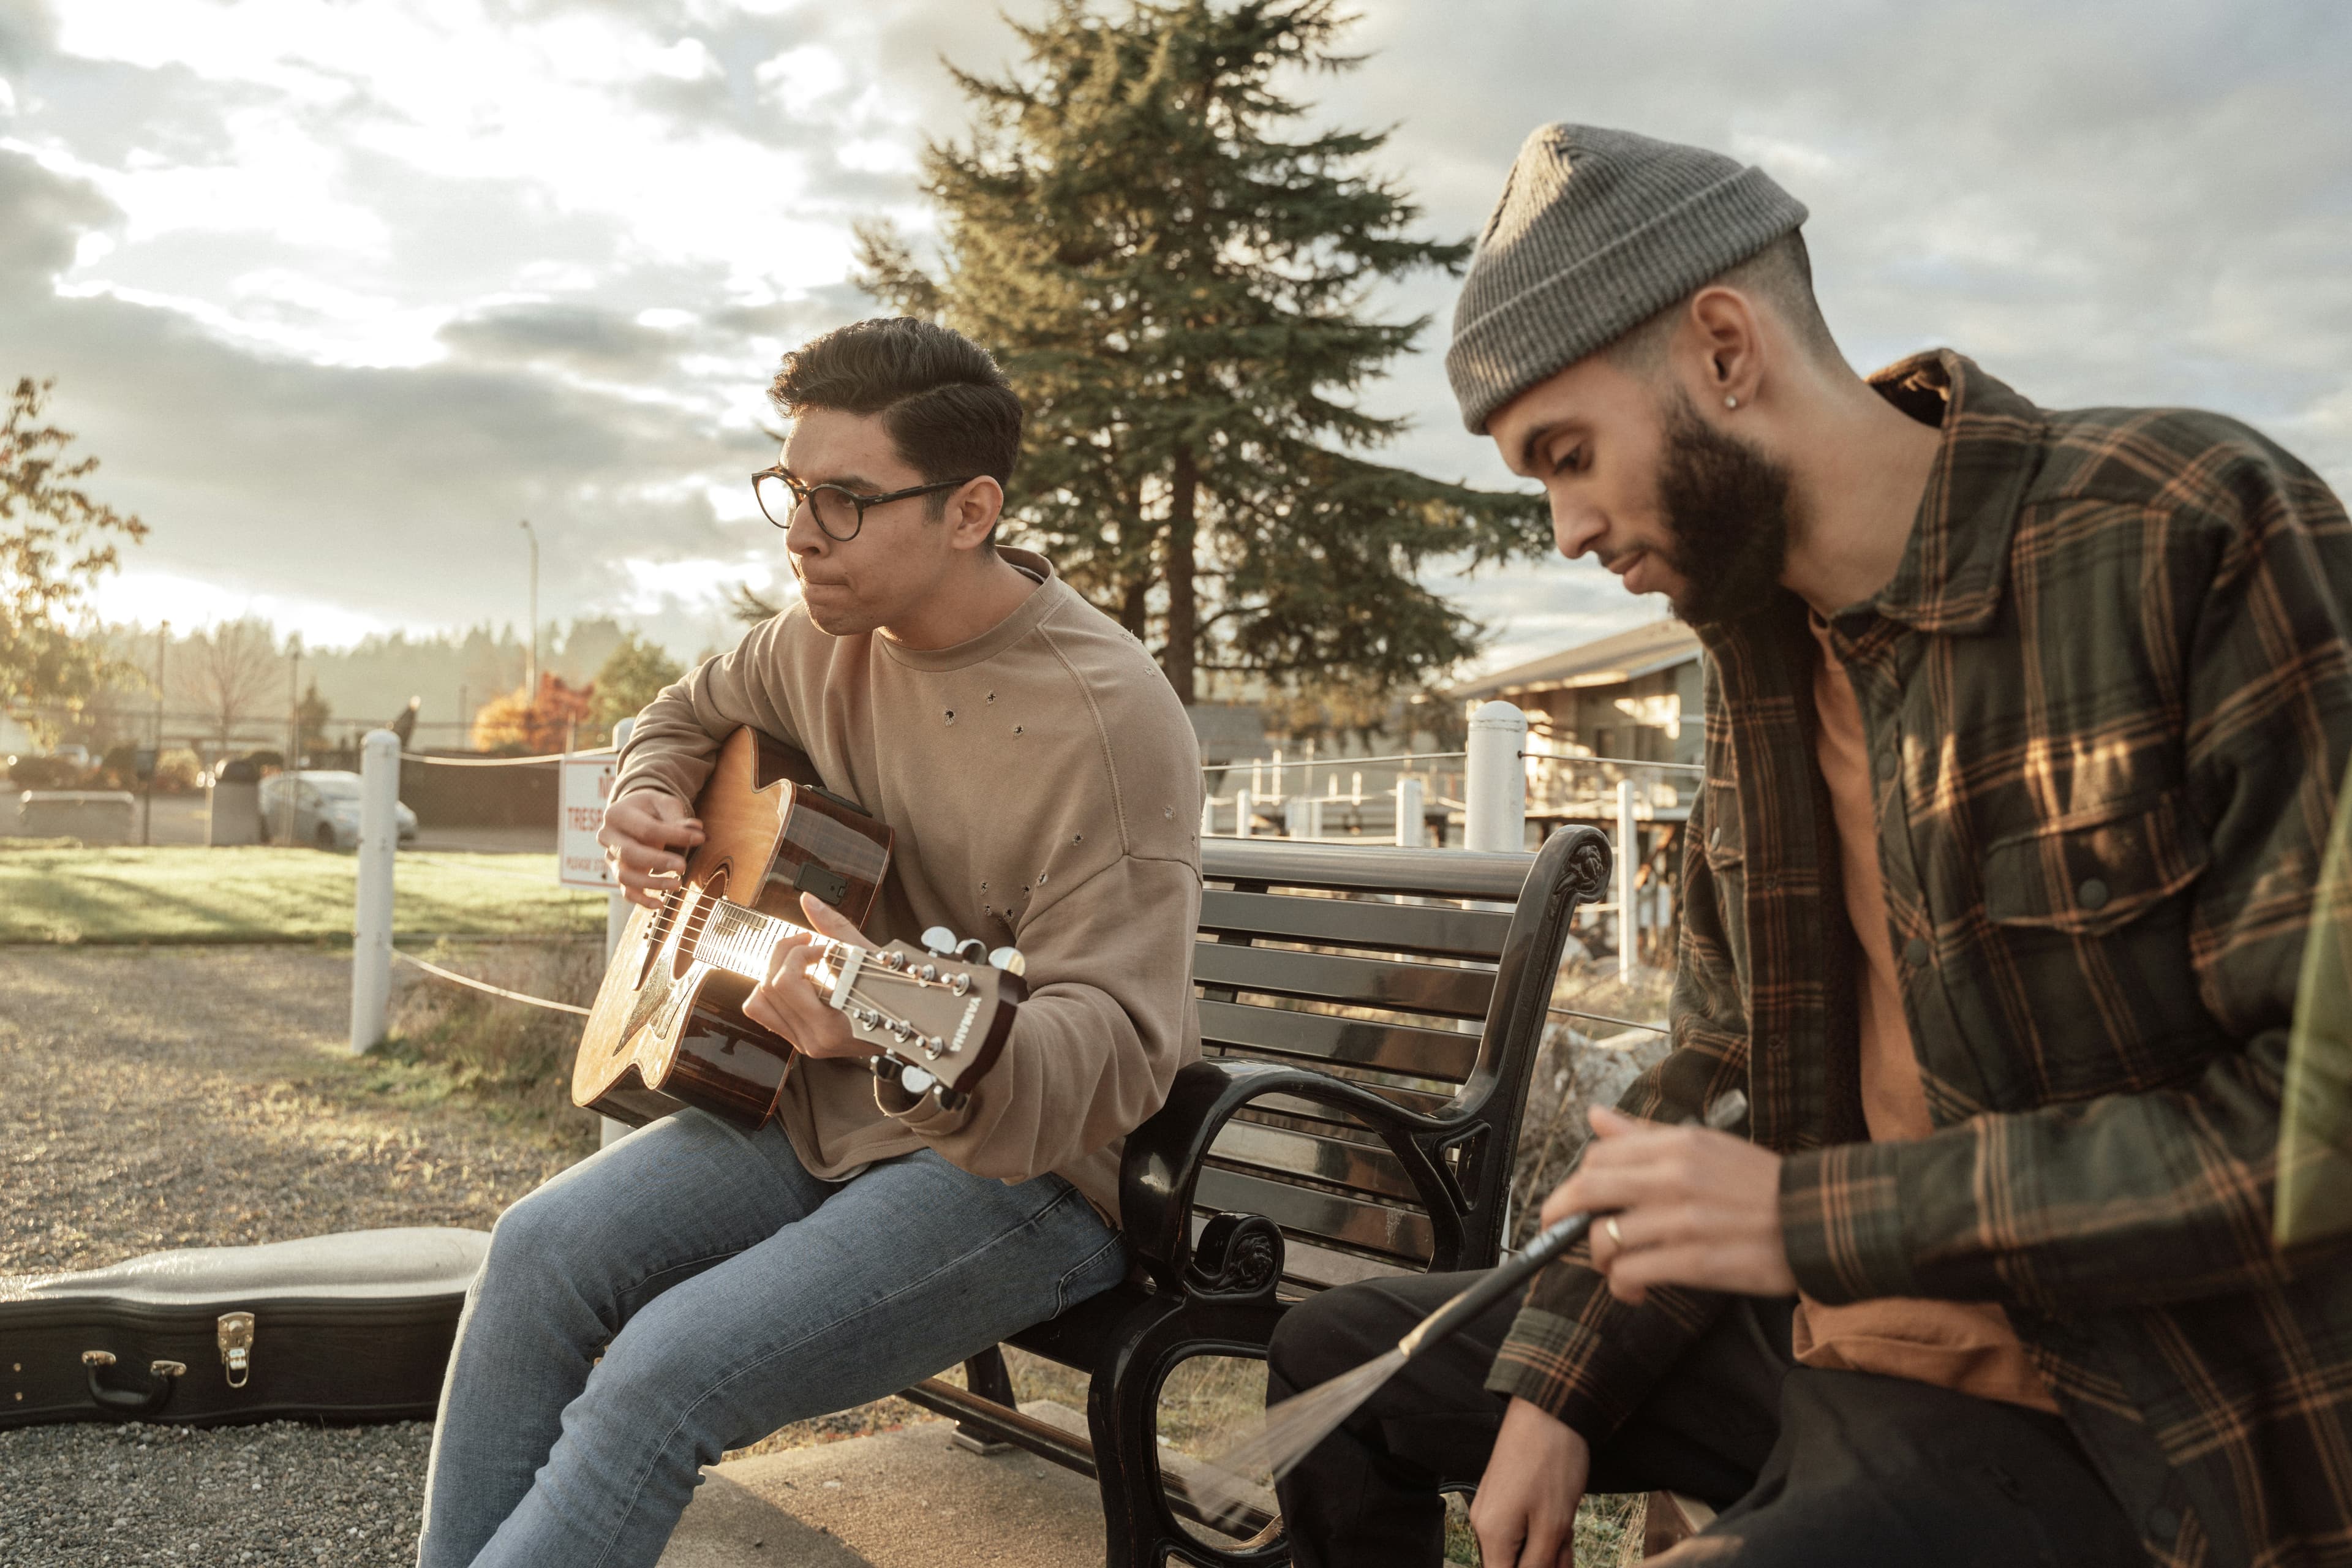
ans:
x=940 y=941
x=1009 y=960
x=972 y=950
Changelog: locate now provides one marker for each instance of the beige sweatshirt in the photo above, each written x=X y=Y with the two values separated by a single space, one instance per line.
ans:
x=1045 y=786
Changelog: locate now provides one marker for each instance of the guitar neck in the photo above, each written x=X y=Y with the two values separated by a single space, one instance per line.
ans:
x=740 y=940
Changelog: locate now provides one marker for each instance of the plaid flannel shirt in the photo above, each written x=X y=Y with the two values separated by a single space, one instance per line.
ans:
x=2108 y=699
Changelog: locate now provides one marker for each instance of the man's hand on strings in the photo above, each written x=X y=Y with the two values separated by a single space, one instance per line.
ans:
x=646 y=835
x=1694 y=1207
x=793 y=1002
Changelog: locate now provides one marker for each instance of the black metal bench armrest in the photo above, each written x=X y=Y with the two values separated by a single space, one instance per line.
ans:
x=1164 y=1157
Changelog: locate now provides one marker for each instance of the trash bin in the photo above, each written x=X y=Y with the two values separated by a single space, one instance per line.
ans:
x=92 y=815
x=234 y=804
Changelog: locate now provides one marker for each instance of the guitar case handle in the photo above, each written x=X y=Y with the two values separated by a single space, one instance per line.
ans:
x=128 y=1402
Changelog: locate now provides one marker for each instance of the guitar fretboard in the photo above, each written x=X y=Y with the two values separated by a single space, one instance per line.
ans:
x=740 y=940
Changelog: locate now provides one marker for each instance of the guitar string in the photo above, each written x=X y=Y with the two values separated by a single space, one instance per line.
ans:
x=739 y=940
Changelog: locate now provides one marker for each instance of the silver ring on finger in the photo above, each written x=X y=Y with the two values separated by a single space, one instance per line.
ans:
x=1616 y=1237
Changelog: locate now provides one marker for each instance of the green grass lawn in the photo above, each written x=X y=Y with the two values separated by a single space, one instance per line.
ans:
x=50 y=893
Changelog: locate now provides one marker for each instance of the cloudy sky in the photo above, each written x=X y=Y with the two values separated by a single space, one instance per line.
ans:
x=340 y=289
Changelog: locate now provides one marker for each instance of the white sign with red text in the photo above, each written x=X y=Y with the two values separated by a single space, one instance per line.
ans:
x=580 y=813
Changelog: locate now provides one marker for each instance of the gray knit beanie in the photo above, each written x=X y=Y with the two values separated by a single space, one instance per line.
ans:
x=1596 y=232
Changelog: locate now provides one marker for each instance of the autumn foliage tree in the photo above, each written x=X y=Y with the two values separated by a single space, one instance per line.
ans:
x=525 y=724
x=1178 y=289
x=56 y=542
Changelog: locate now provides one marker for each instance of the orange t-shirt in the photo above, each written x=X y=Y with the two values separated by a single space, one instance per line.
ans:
x=1967 y=1346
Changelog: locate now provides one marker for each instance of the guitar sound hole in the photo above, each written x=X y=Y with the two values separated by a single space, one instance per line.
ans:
x=713 y=888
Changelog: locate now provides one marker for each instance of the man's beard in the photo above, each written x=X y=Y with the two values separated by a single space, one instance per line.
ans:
x=1725 y=511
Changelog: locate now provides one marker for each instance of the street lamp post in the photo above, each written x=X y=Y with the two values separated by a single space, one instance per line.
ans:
x=530 y=669
x=147 y=803
x=294 y=729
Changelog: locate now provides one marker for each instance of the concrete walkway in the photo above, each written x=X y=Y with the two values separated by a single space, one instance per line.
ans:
x=909 y=1499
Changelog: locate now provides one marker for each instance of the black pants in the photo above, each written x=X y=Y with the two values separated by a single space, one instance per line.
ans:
x=1808 y=1467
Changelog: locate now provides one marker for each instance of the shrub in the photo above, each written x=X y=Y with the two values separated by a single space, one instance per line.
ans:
x=45 y=773
x=513 y=1057
x=179 y=772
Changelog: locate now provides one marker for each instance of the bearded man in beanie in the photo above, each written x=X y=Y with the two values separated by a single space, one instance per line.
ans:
x=2024 y=735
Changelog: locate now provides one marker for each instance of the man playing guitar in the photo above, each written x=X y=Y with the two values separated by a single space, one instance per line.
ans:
x=694 y=1287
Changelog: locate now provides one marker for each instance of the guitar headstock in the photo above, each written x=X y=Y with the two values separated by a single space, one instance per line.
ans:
x=937 y=1017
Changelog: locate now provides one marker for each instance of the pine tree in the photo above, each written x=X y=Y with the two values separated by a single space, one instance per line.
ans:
x=631 y=676
x=1179 y=295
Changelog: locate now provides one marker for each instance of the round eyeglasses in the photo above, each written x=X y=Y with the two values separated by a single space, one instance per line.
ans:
x=839 y=510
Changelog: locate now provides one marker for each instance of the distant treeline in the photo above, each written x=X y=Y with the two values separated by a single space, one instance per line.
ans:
x=242 y=679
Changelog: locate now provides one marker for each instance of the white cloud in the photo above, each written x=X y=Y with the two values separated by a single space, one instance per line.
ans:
x=147 y=598
x=379 y=278
x=797 y=79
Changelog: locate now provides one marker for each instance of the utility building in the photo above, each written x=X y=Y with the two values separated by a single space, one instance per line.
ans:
x=1633 y=696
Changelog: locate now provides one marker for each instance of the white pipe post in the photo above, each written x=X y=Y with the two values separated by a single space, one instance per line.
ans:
x=1410 y=832
x=1495 y=794
x=616 y=908
x=372 y=915
x=616 y=918
x=1629 y=923
x=1208 y=816
x=1244 y=804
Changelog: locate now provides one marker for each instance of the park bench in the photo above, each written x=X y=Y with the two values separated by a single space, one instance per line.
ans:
x=1369 y=1020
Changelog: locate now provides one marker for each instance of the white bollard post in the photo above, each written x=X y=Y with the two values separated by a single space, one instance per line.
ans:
x=1244 y=803
x=1495 y=793
x=616 y=908
x=1629 y=922
x=1410 y=832
x=372 y=915
x=1208 y=816
x=617 y=917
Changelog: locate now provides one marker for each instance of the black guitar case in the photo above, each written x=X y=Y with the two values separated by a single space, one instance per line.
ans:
x=348 y=1328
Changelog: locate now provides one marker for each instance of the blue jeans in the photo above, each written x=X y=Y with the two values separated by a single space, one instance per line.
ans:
x=691 y=1288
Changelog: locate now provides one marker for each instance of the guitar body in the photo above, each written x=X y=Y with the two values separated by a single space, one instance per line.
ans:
x=667 y=1027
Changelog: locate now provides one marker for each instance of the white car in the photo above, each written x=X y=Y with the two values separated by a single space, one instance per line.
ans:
x=323 y=805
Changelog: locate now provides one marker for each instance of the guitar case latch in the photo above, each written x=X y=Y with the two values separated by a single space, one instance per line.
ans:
x=236 y=1346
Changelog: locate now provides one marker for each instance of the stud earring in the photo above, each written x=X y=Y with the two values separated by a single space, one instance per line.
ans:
x=1731 y=402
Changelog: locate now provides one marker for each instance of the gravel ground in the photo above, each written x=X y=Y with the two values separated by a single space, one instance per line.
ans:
x=201 y=1097
x=192 y=1097
x=153 y=1098
x=87 y=1496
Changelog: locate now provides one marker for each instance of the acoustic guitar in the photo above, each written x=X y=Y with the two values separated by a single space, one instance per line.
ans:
x=667 y=1028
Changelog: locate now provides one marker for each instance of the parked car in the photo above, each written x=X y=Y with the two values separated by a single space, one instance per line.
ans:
x=325 y=808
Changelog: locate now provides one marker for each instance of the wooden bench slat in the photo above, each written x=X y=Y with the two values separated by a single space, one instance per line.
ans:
x=1398 y=984
x=1400 y=1234
x=1278 y=1108
x=1281 y=1152
x=1437 y=930
x=1341 y=868
x=1323 y=1037
x=1306 y=1269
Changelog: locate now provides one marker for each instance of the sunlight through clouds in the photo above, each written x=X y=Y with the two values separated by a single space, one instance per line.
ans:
x=341 y=291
